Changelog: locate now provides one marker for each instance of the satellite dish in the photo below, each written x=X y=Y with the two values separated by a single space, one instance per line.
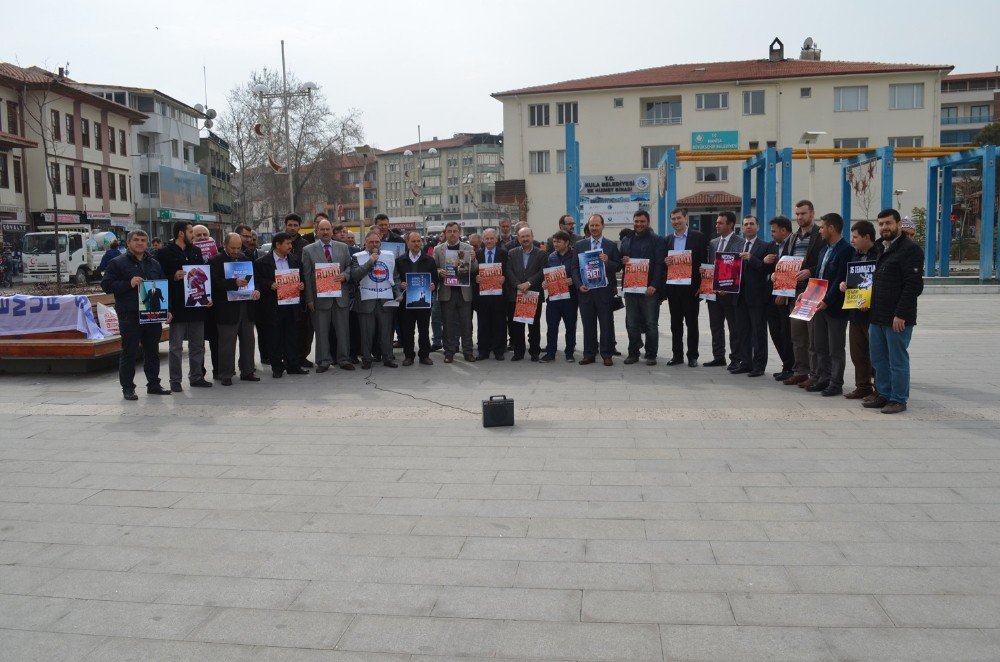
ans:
x=808 y=44
x=199 y=107
x=211 y=114
x=209 y=124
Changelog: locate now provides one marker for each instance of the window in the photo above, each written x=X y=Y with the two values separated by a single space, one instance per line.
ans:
x=70 y=181
x=98 y=184
x=754 y=144
x=70 y=129
x=538 y=162
x=753 y=102
x=713 y=173
x=98 y=137
x=85 y=182
x=85 y=132
x=121 y=143
x=560 y=160
x=453 y=199
x=13 y=125
x=567 y=112
x=772 y=143
x=906 y=141
x=488 y=159
x=538 y=114
x=619 y=102
x=652 y=154
x=486 y=198
x=661 y=111
x=805 y=92
x=56 y=184
x=979 y=114
x=906 y=97
x=4 y=174
x=122 y=188
x=111 y=139
x=149 y=184
x=111 y=186
x=849 y=143
x=712 y=101
x=453 y=181
x=18 y=182
x=174 y=148
x=850 y=99
x=145 y=104
x=55 y=126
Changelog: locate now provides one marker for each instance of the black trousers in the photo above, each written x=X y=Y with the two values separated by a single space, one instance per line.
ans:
x=418 y=321
x=781 y=333
x=263 y=328
x=751 y=326
x=684 y=308
x=722 y=314
x=595 y=312
x=491 y=325
x=135 y=335
x=534 y=345
x=284 y=335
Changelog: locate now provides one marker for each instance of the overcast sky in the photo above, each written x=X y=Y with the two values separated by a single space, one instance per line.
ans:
x=435 y=63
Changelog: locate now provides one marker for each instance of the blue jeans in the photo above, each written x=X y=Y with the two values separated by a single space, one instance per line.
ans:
x=563 y=311
x=891 y=360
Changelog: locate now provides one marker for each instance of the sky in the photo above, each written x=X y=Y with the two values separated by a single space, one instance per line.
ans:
x=435 y=63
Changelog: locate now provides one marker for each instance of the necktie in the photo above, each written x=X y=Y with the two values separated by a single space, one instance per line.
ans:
x=722 y=245
x=489 y=257
x=329 y=253
x=747 y=249
x=595 y=244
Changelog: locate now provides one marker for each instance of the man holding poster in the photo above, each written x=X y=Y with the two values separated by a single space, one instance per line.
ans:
x=283 y=321
x=330 y=310
x=525 y=265
x=599 y=261
x=455 y=300
x=491 y=300
x=643 y=254
x=751 y=300
x=830 y=321
x=418 y=278
x=234 y=319
x=722 y=311
x=374 y=270
x=776 y=311
x=684 y=244
x=562 y=304
x=863 y=263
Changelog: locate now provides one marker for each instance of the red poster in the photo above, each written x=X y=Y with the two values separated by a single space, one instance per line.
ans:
x=288 y=286
x=556 y=283
x=328 y=280
x=679 y=267
x=784 y=276
x=706 y=290
x=806 y=305
x=636 y=278
x=525 y=307
x=490 y=279
x=728 y=272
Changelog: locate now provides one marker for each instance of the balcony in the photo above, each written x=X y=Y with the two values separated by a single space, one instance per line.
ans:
x=660 y=121
x=969 y=119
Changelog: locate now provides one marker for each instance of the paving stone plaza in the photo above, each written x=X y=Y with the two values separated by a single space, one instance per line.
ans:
x=633 y=513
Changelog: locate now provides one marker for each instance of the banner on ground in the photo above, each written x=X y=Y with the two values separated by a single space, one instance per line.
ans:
x=21 y=314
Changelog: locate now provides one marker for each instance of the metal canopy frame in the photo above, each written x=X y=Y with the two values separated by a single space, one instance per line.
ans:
x=765 y=165
x=939 y=216
x=666 y=178
x=886 y=156
x=573 y=175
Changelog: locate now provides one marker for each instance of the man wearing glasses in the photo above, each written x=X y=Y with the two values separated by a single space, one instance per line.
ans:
x=566 y=224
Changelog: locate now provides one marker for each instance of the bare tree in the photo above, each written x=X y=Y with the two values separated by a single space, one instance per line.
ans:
x=861 y=178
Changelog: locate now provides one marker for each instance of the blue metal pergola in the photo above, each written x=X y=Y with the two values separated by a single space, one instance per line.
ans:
x=939 y=173
x=766 y=165
x=666 y=171
x=888 y=160
x=573 y=175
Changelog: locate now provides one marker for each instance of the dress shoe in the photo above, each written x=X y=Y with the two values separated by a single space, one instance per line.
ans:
x=609 y=362
x=570 y=359
x=809 y=382
x=795 y=380
x=469 y=357
x=347 y=366
x=408 y=361
x=818 y=387
x=448 y=358
x=130 y=395
x=297 y=371
x=517 y=357
x=831 y=391
x=756 y=373
x=675 y=361
x=875 y=403
x=740 y=371
x=783 y=375
x=733 y=365
x=176 y=387
x=249 y=378
x=894 y=408
x=276 y=374
x=548 y=358
x=631 y=358
x=617 y=353
x=306 y=363
x=355 y=360
x=226 y=381
x=426 y=361
x=366 y=365
x=874 y=396
x=158 y=390
x=482 y=357
x=693 y=363
x=322 y=368
x=201 y=383
x=651 y=361
x=860 y=393
x=715 y=363
x=534 y=358
x=215 y=377
x=587 y=360
x=499 y=357
x=436 y=347
x=390 y=364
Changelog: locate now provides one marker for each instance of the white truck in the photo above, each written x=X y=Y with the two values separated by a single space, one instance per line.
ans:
x=80 y=253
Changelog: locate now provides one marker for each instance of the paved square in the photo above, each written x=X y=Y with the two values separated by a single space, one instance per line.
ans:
x=633 y=513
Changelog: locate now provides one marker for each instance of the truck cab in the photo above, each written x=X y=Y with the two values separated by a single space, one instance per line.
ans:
x=77 y=259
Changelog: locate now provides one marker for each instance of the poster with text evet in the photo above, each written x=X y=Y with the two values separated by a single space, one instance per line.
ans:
x=706 y=290
x=679 y=267
x=197 y=286
x=728 y=272
x=636 y=278
x=785 y=271
x=860 y=276
x=288 y=286
x=153 y=306
x=490 y=279
x=808 y=301
x=457 y=268
x=525 y=306
x=328 y=285
x=556 y=277
x=242 y=270
x=592 y=272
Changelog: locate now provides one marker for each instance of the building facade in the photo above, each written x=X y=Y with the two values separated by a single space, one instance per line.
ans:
x=625 y=123
x=15 y=148
x=212 y=156
x=968 y=103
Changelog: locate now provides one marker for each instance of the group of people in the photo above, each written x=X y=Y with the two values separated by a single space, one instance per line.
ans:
x=351 y=328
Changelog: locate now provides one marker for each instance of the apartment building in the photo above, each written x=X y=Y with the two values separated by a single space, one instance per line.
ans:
x=212 y=156
x=968 y=103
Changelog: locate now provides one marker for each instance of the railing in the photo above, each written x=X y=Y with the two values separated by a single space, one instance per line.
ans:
x=659 y=121
x=970 y=119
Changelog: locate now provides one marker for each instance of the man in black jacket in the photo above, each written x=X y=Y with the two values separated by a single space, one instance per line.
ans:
x=805 y=243
x=282 y=319
x=865 y=250
x=293 y=223
x=122 y=278
x=415 y=261
x=524 y=272
x=682 y=300
x=491 y=309
x=751 y=300
x=234 y=319
x=642 y=311
x=776 y=310
x=187 y=323
x=898 y=281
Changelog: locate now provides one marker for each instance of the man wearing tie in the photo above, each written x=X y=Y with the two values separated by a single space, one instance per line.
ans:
x=682 y=300
x=722 y=311
x=776 y=311
x=595 y=304
x=525 y=265
x=751 y=300
x=491 y=311
x=328 y=312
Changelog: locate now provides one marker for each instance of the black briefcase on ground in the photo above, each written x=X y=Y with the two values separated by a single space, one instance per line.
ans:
x=498 y=411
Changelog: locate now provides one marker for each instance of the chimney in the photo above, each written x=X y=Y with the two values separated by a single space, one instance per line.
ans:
x=62 y=72
x=776 y=52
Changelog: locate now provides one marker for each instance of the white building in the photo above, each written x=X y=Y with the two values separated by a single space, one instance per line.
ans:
x=968 y=103
x=625 y=122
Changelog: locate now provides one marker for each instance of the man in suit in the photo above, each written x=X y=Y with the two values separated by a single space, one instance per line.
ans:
x=776 y=311
x=328 y=312
x=642 y=311
x=722 y=311
x=415 y=261
x=234 y=319
x=752 y=300
x=524 y=272
x=830 y=320
x=282 y=319
x=491 y=310
x=373 y=313
x=682 y=300
x=456 y=300
x=595 y=303
x=805 y=243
